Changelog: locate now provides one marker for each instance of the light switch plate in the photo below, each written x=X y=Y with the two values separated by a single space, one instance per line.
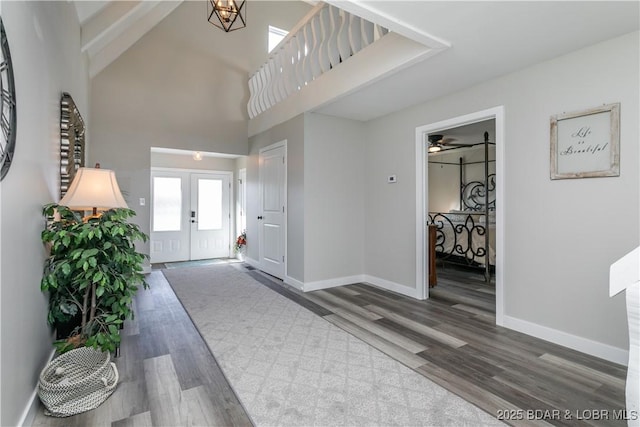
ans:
x=142 y=201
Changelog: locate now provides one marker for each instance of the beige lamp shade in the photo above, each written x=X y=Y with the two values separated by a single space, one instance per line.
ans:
x=94 y=188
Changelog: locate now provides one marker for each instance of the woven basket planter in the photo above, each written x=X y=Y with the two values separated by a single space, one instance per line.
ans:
x=77 y=381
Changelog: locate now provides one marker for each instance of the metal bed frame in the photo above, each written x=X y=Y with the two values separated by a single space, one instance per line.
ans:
x=475 y=196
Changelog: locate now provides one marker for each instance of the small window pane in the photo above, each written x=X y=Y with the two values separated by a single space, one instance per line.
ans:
x=275 y=36
x=167 y=204
x=209 y=204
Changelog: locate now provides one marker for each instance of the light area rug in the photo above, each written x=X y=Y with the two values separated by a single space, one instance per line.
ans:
x=290 y=367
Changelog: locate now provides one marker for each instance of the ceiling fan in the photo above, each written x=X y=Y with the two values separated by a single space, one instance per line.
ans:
x=439 y=142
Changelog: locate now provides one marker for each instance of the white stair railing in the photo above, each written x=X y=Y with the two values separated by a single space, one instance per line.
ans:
x=321 y=41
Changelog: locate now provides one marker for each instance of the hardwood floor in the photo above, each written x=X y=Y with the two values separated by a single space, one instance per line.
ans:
x=452 y=339
x=169 y=377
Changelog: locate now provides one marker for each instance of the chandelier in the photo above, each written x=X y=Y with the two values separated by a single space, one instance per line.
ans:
x=226 y=14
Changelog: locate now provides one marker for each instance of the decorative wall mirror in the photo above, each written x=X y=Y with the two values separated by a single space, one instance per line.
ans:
x=71 y=142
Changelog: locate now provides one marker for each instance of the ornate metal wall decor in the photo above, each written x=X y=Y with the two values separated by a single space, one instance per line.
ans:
x=7 y=105
x=71 y=142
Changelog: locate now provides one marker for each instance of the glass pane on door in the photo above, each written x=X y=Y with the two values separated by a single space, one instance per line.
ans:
x=167 y=204
x=209 y=204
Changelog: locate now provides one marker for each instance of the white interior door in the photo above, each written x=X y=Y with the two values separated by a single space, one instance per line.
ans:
x=271 y=219
x=190 y=215
x=210 y=216
x=169 y=216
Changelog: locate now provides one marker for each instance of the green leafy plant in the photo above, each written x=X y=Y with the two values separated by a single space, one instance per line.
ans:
x=92 y=274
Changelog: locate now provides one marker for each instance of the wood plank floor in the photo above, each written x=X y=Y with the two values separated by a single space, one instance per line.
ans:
x=168 y=376
x=452 y=339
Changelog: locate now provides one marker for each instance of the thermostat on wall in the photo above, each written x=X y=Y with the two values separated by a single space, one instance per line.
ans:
x=391 y=179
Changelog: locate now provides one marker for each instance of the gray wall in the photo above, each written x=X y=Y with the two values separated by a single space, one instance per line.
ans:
x=334 y=183
x=163 y=92
x=293 y=132
x=44 y=38
x=560 y=236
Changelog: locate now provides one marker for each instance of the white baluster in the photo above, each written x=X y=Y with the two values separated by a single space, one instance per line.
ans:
x=306 y=64
x=251 y=108
x=302 y=43
x=332 y=43
x=263 y=90
x=324 y=35
x=271 y=82
x=316 y=69
x=344 y=47
x=261 y=107
x=355 y=33
x=288 y=70
x=281 y=92
x=367 y=33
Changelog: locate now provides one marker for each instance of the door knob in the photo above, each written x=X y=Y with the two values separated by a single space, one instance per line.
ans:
x=260 y=217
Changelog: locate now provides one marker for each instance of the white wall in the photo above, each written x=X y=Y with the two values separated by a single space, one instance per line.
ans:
x=44 y=38
x=334 y=198
x=177 y=161
x=560 y=236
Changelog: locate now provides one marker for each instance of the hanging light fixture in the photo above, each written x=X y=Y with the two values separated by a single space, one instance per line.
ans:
x=226 y=14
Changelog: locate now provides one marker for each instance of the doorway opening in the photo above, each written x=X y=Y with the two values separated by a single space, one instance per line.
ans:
x=190 y=215
x=460 y=176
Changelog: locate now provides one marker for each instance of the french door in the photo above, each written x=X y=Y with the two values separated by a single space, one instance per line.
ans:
x=190 y=215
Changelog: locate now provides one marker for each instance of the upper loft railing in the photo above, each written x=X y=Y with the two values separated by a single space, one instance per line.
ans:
x=323 y=39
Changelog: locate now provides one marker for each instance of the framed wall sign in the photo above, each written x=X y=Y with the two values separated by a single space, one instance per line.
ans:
x=586 y=144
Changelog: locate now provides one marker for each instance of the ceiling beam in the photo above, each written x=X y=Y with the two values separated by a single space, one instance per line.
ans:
x=105 y=42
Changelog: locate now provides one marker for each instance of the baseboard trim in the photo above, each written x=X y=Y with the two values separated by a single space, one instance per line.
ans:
x=391 y=286
x=252 y=262
x=30 y=411
x=584 y=345
x=332 y=283
x=294 y=283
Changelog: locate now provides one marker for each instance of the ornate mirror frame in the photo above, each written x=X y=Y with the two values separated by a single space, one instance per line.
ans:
x=72 y=140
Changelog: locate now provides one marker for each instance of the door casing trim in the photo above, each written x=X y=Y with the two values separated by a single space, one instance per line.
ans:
x=422 y=189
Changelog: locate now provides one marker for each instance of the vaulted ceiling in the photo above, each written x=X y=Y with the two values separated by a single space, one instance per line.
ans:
x=487 y=39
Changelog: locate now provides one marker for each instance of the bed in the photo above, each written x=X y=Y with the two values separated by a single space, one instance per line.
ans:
x=462 y=237
x=467 y=236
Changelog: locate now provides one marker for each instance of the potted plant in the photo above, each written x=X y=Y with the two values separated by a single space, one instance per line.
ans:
x=240 y=245
x=92 y=274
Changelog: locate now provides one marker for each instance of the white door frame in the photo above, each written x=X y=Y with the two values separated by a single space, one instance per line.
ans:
x=200 y=171
x=279 y=144
x=422 y=198
x=241 y=202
